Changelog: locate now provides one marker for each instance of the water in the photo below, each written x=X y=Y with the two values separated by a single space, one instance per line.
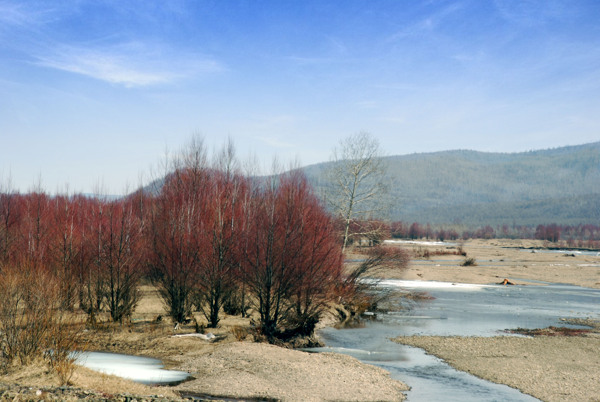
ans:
x=145 y=370
x=594 y=253
x=463 y=310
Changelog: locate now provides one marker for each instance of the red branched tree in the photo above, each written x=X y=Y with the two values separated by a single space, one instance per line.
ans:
x=175 y=241
x=283 y=246
x=222 y=223
x=120 y=261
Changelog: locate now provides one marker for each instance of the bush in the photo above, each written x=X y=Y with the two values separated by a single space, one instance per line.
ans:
x=469 y=262
x=64 y=343
x=240 y=333
x=31 y=324
x=26 y=310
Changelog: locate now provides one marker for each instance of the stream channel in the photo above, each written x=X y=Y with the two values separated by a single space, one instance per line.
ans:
x=461 y=310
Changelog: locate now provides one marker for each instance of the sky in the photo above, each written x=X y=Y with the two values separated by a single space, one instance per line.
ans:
x=93 y=93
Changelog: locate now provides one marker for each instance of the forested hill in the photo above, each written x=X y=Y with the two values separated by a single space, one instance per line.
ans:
x=560 y=185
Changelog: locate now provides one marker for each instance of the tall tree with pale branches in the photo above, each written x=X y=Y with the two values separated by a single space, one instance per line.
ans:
x=356 y=176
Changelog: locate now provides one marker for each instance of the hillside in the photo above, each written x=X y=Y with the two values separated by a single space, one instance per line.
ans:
x=560 y=185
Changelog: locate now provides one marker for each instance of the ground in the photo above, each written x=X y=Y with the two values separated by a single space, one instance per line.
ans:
x=548 y=367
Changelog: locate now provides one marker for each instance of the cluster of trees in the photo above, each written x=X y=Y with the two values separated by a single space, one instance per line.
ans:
x=210 y=238
x=587 y=235
x=93 y=247
x=220 y=239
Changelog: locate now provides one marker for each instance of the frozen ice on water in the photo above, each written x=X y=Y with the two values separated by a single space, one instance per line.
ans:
x=140 y=369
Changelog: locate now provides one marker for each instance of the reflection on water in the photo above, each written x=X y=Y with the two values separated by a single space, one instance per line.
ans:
x=144 y=370
x=473 y=310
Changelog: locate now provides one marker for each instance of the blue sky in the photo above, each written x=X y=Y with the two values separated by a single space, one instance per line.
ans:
x=92 y=92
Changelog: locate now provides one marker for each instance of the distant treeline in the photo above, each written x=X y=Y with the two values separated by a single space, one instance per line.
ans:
x=580 y=236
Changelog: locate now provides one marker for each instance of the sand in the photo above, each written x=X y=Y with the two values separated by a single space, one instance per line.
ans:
x=258 y=370
x=499 y=259
x=548 y=368
x=551 y=368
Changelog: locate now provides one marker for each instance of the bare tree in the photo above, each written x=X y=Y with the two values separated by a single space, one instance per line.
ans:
x=176 y=230
x=356 y=176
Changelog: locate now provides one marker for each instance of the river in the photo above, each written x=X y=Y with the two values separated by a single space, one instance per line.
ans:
x=463 y=310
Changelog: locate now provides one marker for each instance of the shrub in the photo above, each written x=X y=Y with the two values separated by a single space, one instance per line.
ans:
x=240 y=333
x=469 y=262
x=64 y=342
x=31 y=324
x=26 y=308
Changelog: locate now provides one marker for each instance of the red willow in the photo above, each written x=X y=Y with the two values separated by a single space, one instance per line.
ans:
x=210 y=237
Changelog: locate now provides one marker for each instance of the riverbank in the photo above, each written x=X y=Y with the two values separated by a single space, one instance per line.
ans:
x=520 y=261
x=230 y=367
x=245 y=369
x=551 y=368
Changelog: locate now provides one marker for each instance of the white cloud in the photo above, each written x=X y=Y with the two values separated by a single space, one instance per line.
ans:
x=131 y=65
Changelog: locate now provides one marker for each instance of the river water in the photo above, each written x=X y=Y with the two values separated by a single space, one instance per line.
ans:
x=457 y=309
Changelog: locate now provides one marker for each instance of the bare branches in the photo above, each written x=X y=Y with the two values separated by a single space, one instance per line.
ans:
x=357 y=173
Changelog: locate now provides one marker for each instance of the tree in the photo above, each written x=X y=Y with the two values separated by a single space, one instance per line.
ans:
x=222 y=222
x=120 y=260
x=357 y=173
x=10 y=218
x=291 y=258
x=175 y=231
x=65 y=236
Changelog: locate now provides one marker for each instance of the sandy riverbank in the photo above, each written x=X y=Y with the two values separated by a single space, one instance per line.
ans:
x=260 y=370
x=498 y=259
x=227 y=368
x=551 y=368
x=548 y=368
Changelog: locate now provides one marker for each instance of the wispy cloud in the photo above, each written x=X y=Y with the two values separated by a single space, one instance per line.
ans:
x=130 y=65
x=530 y=13
x=276 y=142
x=427 y=24
x=15 y=14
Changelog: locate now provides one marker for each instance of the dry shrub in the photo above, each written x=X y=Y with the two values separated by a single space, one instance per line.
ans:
x=469 y=262
x=26 y=309
x=240 y=333
x=355 y=295
x=31 y=323
x=421 y=252
x=64 y=343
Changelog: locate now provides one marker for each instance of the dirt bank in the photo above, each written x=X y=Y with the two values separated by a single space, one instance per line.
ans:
x=264 y=371
x=548 y=368
x=227 y=368
x=499 y=259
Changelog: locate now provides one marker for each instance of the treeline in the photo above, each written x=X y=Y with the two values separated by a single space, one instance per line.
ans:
x=211 y=239
x=581 y=236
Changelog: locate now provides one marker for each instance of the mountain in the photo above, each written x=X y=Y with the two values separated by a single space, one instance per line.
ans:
x=560 y=185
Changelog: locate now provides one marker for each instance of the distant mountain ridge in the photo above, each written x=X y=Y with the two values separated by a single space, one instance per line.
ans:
x=559 y=185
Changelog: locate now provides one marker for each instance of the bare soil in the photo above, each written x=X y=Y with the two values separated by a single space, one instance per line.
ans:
x=550 y=368
x=227 y=368
x=499 y=259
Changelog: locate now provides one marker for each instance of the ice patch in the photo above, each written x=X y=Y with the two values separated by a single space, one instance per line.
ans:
x=419 y=243
x=140 y=369
x=431 y=285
